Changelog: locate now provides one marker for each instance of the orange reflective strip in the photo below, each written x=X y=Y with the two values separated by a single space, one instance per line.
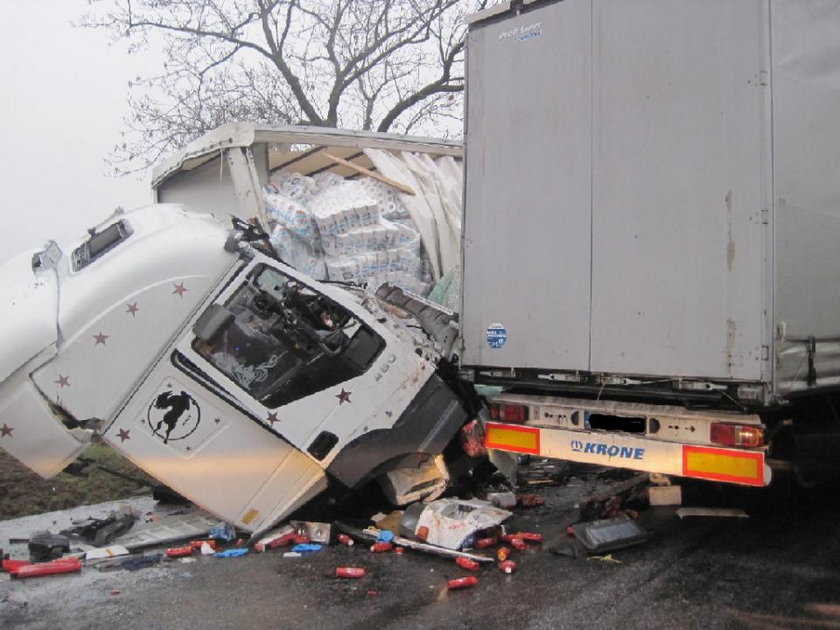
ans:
x=723 y=465
x=512 y=438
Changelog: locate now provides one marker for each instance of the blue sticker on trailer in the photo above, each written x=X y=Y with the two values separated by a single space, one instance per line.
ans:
x=496 y=335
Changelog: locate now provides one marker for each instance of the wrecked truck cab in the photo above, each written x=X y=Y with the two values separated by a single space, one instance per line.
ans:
x=232 y=378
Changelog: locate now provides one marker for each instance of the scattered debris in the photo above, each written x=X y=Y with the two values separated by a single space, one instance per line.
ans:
x=701 y=511
x=101 y=531
x=451 y=523
x=608 y=534
x=502 y=500
x=231 y=553
x=45 y=545
x=424 y=483
x=314 y=532
x=350 y=572
x=306 y=548
x=223 y=531
x=466 y=563
x=608 y=558
x=665 y=495
x=529 y=500
x=463 y=582
x=53 y=567
x=507 y=566
x=105 y=552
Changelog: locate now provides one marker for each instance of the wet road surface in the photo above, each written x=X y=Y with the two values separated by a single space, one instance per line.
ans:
x=780 y=568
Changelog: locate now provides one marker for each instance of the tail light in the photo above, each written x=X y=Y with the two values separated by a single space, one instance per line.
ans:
x=736 y=434
x=508 y=413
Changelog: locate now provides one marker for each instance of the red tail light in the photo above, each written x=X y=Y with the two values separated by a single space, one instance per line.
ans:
x=508 y=413
x=736 y=435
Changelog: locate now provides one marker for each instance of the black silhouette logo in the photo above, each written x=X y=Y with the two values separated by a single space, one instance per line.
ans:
x=174 y=416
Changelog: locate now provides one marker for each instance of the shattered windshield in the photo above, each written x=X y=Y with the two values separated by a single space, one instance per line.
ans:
x=283 y=341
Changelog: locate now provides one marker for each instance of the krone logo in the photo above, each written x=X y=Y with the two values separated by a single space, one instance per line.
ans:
x=577 y=446
x=173 y=416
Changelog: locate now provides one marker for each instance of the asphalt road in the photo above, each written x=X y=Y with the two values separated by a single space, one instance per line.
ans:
x=779 y=568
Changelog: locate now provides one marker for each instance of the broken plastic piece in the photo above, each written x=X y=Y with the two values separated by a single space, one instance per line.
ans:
x=385 y=535
x=231 y=553
x=111 y=551
x=311 y=531
x=350 y=572
x=699 y=511
x=306 y=548
x=44 y=546
x=609 y=534
x=223 y=531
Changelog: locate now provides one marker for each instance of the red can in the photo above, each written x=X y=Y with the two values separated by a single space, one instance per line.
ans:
x=502 y=554
x=281 y=541
x=345 y=540
x=399 y=550
x=508 y=566
x=196 y=544
x=466 y=563
x=179 y=552
x=350 y=572
x=464 y=582
x=518 y=544
x=13 y=565
x=530 y=537
x=62 y=565
x=481 y=543
x=381 y=547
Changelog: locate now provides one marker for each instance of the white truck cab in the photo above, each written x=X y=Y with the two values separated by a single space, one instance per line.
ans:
x=239 y=382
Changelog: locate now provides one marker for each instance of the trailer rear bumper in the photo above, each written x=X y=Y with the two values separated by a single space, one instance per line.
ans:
x=621 y=450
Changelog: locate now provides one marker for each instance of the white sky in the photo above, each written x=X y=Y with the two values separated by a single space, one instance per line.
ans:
x=64 y=95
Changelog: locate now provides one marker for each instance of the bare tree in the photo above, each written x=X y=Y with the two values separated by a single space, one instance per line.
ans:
x=386 y=65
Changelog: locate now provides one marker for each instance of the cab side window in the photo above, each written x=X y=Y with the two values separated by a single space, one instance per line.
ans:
x=281 y=340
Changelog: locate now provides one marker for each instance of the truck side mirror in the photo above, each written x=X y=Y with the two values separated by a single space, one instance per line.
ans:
x=212 y=323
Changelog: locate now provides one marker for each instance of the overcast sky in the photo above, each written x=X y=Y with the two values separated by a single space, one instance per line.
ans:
x=64 y=97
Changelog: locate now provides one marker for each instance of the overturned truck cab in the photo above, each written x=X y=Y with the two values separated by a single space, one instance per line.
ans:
x=234 y=379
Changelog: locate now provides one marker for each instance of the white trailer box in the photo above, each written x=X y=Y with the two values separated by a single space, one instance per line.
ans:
x=653 y=196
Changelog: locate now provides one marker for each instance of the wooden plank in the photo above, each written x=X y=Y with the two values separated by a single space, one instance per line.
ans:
x=360 y=169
